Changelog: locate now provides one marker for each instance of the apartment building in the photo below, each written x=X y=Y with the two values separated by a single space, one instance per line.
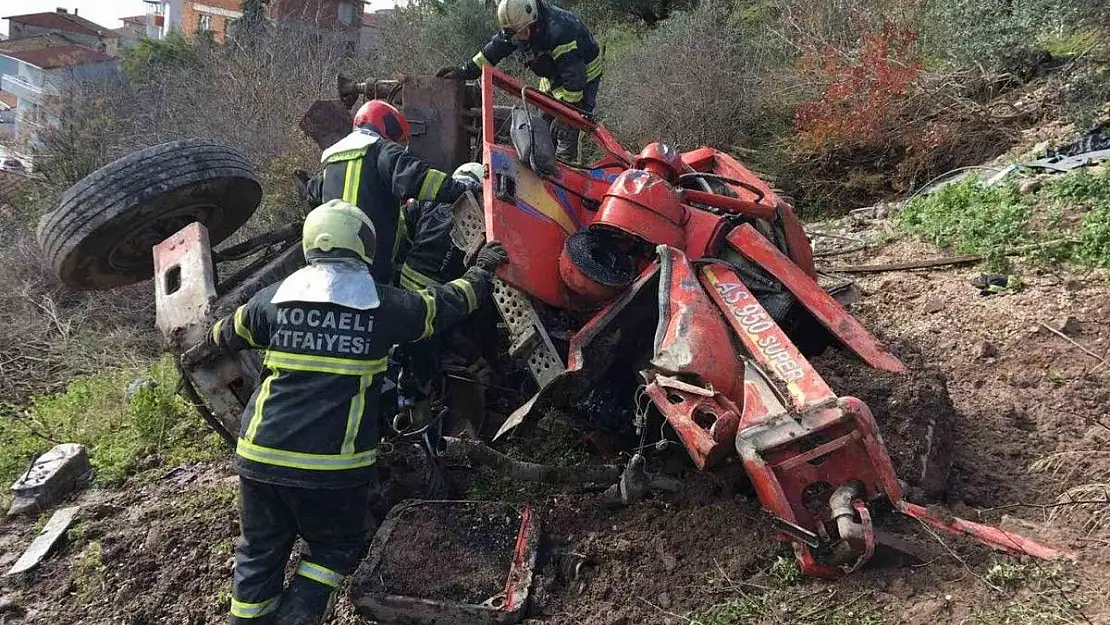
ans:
x=216 y=16
x=35 y=78
x=71 y=25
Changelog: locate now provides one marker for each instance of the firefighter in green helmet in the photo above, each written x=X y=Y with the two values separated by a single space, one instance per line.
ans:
x=308 y=444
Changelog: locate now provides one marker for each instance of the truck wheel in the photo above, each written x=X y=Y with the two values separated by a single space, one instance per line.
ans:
x=101 y=234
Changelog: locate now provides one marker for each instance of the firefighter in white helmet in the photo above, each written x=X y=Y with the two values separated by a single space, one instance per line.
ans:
x=557 y=47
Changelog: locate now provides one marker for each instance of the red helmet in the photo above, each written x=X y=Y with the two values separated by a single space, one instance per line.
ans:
x=661 y=160
x=383 y=118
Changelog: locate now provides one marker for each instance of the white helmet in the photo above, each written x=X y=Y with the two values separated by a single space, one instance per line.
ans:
x=516 y=15
x=474 y=171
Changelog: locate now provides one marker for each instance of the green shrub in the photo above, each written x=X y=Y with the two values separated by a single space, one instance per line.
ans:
x=988 y=33
x=698 y=78
x=1069 y=217
x=969 y=217
x=125 y=430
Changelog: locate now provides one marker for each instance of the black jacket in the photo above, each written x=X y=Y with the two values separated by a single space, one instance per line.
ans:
x=562 y=52
x=429 y=255
x=313 y=420
x=376 y=175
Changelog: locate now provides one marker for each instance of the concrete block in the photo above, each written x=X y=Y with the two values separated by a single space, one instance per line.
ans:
x=52 y=476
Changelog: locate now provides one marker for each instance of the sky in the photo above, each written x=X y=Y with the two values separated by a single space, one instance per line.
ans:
x=103 y=12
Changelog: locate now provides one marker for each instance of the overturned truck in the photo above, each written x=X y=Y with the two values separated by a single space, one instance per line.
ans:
x=682 y=277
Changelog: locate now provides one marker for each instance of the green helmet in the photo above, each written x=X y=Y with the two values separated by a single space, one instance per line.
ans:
x=338 y=230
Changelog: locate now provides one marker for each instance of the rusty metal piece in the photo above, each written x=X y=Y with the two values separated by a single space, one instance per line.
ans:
x=434 y=108
x=326 y=122
x=505 y=607
x=705 y=425
x=993 y=537
x=692 y=340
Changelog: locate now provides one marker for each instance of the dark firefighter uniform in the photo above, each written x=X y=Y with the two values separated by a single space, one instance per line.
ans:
x=308 y=444
x=561 y=51
x=376 y=175
x=429 y=258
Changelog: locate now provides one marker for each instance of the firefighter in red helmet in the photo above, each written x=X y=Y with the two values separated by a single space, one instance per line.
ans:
x=371 y=169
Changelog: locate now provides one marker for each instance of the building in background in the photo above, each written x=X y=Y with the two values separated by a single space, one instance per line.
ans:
x=61 y=22
x=216 y=16
x=39 y=77
x=133 y=29
x=371 y=29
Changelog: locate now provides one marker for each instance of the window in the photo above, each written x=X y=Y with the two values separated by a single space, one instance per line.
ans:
x=204 y=22
x=347 y=13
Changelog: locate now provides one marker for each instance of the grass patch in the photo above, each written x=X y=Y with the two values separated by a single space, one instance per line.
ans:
x=88 y=572
x=1036 y=595
x=788 y=605
x=970 y=218
x=130 y=420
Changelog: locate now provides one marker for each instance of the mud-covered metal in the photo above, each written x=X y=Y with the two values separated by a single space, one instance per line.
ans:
x=692 y=340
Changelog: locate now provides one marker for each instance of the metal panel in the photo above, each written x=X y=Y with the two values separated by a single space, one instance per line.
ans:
x=434 y=108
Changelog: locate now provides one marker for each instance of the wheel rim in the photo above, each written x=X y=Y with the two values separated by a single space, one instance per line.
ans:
x=133 y=250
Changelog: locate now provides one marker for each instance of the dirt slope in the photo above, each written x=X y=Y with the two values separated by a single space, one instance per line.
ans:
x=1019 y=394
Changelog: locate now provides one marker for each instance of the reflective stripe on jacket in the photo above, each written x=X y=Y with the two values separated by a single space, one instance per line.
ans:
x=429 y=256
x=561 y=51
x=376 y=175
x=313 y=420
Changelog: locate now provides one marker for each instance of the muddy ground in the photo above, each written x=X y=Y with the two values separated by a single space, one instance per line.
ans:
x=160 y=552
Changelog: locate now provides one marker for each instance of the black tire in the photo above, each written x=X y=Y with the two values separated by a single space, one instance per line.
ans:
x=101 y=234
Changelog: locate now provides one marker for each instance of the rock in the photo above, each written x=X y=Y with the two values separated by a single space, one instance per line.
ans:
x=44 y=543
x=988 y=350
x=138 y=385
x=52 y=476
x=1071 y=326
x=934 y=305
x=664 y=600
x=1029 y=185
x=154 y=540
x=1073 y=286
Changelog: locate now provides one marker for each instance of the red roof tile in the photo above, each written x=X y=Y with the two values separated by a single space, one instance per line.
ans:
x=60 y=56
x=8 y=99
x=61 y=21
x=37 y=42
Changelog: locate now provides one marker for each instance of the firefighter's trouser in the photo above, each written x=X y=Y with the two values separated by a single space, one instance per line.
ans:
x=333 y=524
x=568 y=141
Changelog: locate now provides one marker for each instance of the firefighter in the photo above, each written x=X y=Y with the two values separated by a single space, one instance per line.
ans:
x=371 y=169
x=308 y=444
x=557 y=47
x=428 y=257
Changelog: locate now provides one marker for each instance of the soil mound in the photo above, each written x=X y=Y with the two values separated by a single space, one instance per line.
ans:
x=914 y=412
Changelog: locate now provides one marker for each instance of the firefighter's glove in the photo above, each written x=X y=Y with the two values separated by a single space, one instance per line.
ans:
x=491 y=256
x=467 y=71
